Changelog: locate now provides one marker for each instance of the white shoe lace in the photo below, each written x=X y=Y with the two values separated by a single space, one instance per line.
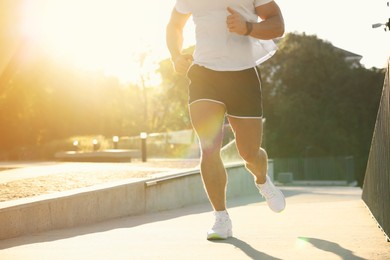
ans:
x=267 y=192
x=220 y=222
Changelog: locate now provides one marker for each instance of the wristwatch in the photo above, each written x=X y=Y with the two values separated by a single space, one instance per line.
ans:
x=249 y=28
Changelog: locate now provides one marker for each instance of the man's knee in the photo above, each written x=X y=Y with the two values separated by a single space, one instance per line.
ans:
x=211 y=147
x=249 y=155
x=211 y=153
x=253 y=154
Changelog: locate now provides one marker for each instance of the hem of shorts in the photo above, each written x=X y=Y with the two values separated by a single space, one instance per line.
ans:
x=219 y=102
x=210 y=100
x=246 y=117
x=224 y=69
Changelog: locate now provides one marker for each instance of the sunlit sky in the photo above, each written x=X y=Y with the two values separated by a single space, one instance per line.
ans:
x=111 y=35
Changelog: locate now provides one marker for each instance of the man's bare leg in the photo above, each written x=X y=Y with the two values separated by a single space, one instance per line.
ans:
x=248 y=140
x=207 y=119
x=248 y=133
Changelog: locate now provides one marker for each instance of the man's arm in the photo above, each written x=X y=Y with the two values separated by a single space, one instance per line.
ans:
x=271 y=26
x=174 y=40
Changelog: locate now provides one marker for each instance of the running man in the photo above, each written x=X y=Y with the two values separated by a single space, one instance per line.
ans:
x=232 y=38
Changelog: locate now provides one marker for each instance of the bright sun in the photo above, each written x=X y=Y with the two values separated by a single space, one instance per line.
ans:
x=111 y=35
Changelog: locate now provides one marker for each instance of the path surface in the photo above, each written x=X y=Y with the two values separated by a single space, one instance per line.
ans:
x=318 y=223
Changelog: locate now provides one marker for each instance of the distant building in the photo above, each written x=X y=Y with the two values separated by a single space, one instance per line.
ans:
x=350 y=57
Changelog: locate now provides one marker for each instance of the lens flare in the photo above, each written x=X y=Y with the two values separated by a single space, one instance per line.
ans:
x=301 y=243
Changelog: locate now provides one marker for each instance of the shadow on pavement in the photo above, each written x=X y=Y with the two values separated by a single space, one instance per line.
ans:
x=331 y=247
x=251 y=252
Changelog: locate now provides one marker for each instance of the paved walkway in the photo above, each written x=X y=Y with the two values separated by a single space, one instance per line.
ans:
x=318 y=223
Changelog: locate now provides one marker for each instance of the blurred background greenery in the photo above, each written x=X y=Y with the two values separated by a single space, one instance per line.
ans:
x=318 y=101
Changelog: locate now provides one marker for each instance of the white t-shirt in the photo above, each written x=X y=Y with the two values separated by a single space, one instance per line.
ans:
x=217 y=48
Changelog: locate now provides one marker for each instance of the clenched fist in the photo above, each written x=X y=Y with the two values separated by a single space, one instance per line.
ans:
x=236 y=23
x=182 y=63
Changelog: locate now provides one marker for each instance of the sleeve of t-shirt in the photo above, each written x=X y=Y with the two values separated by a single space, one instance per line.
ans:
x=182 y=6
x=262 y=2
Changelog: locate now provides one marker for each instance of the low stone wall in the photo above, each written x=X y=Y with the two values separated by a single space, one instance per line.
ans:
x=114 y=200
x=113 y=155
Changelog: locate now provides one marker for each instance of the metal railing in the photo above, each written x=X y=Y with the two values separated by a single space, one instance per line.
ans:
x=376 y=187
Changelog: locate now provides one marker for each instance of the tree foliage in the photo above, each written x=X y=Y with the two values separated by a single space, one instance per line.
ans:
x=316 y=102
x=49 y=100
x=174 y=96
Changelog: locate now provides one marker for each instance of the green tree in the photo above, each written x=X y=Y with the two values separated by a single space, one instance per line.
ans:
x=316 y=102
x=172 y=103
x=47 y=100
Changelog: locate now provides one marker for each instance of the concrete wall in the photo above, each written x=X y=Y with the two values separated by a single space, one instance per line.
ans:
x=69 y=209
x=108 y=201
x=168 y=193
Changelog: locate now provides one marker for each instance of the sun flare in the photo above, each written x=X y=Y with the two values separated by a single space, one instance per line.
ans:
x=106 y=35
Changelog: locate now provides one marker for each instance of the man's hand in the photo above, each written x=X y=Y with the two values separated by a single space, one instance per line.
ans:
x=235 y=22
x=182 y=63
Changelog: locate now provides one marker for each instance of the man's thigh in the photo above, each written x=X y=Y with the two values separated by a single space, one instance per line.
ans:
x=207 y=119
x=248 y=133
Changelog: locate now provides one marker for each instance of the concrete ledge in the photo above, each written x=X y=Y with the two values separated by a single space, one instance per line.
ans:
x=187 y=188
x=114 y=200
x=111 y=155
x=71 y=208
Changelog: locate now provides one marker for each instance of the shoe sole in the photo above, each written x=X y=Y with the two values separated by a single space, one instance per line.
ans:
x=216 y=236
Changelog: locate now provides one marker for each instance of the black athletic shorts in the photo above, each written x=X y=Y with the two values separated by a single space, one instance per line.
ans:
x=239 y=91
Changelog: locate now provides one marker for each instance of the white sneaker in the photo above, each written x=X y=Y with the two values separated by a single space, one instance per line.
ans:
x=222 y=228
x=273 y=196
